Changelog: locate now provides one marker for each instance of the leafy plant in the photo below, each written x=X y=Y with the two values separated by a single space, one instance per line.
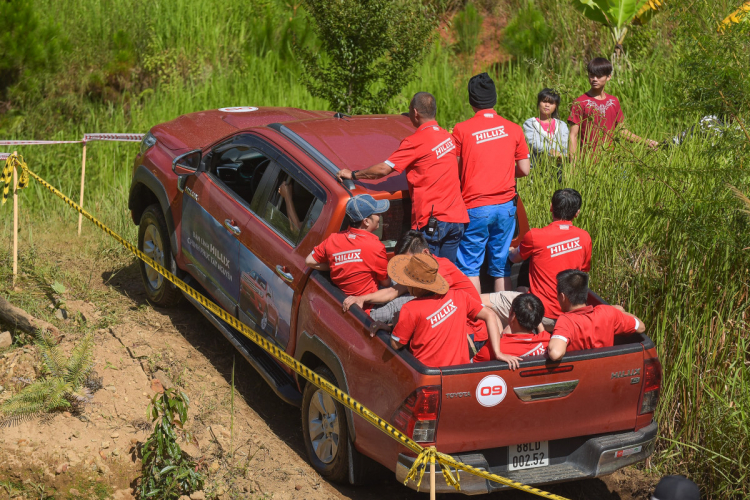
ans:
x=67 y=384
x=168 y=472
x=467 y=26
x=370 y=50
x=527 y=33
x=614 y=14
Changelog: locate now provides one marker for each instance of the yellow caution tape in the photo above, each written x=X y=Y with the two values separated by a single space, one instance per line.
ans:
x=14 y=161
x=424 y=454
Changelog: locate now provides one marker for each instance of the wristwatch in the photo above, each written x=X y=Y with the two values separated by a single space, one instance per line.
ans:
x=354 y=175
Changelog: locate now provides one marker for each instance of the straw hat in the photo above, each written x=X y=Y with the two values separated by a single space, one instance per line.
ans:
x=418 y=271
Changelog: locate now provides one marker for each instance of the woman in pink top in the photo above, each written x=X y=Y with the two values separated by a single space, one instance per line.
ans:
x=546 y=133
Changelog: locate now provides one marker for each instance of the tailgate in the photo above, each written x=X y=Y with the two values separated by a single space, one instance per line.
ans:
x=590 y=392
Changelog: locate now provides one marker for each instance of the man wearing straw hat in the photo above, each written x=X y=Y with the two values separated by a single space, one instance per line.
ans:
x=434 y=323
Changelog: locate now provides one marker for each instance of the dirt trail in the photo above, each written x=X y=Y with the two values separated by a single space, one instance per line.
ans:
x=92 y=456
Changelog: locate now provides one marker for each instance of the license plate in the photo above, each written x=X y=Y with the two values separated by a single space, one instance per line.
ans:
x=528 y=455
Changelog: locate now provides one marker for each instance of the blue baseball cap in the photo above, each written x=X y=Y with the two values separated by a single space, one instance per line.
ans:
x=362 y=206
x=676 y=488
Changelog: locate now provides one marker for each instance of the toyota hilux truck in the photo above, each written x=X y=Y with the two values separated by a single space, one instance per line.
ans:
x=206 y=194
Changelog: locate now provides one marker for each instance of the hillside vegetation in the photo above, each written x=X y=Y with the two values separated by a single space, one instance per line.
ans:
x=671 y=239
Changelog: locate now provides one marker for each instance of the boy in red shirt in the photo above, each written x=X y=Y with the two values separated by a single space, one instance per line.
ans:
x=433 y=324
x=356 y=257
x=583 y=326
x=595 y=115
x=428 y=157
x=526 y=313
x=552 y=249
x=492 y=152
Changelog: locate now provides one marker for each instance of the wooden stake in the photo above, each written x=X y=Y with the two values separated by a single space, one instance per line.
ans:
x=83 y=177
x=432 y=477
x=15 y=224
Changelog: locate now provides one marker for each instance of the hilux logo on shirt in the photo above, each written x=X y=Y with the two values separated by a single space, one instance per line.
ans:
x=347 y=257
x=536 y=351
x=567 y=246
x=490 y=134
x=445 y=311
x=443 y=148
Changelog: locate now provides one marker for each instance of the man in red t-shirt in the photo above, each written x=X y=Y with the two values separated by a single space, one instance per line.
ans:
x=583 y=326
x=492 y=152
x=552 y=249
x=413 y=243
x=356 y=257
x=433 y=324
x=526 y=313
x=428 y=157
x=595 y=115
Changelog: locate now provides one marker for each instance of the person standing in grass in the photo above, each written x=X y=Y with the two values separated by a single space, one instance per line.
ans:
x=546 y=133
x=596 y=116
x=491 y=152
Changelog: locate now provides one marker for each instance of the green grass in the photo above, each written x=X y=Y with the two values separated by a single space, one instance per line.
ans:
x=670 y=243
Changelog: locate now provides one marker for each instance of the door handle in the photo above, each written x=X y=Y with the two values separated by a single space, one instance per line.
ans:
x=545 y=391
x=282 y=271
x=229 y=224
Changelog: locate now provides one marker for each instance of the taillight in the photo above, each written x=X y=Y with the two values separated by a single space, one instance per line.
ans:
x=651 y=385
x=417 y=416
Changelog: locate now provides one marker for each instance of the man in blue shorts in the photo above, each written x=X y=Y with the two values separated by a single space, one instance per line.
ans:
x=492 y=152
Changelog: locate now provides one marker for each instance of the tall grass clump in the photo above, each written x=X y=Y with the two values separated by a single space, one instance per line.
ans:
x=467 y=26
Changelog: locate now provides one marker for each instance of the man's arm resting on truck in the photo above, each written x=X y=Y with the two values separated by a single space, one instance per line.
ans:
x=314 y=264
x=493 y=330
x=373 y=172
x=556 y=348
x=382 y=296
x=639 y=326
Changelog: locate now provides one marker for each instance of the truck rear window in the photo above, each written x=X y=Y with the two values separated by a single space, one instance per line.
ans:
x=393 y=224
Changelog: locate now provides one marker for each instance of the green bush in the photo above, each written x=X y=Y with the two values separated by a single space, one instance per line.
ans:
x=370 y=50
x=26 y=44
x=527 y=34
x=467 y=25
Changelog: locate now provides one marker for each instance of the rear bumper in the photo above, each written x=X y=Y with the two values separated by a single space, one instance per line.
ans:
x=596 y=457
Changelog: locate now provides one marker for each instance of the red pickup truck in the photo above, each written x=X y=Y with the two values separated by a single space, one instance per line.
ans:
x=206 y=194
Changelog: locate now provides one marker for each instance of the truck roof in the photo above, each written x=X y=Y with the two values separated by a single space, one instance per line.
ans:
x=341 y=141
x=356 y=143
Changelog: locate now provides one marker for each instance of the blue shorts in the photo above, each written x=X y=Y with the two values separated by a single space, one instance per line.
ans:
x=490 y=229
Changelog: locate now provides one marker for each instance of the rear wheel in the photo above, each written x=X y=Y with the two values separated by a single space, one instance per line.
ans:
x=325 y=431
x=153 y=240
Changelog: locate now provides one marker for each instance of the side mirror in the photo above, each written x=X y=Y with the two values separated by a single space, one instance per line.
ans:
x=186 y=165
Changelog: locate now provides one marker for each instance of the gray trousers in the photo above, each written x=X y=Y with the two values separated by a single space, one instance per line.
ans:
x=387 y=311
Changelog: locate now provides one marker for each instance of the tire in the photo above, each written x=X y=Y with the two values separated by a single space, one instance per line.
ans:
x=328 y=447
x=153 y=240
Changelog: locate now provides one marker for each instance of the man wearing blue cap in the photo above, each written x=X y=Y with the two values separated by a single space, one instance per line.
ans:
x=356 y=257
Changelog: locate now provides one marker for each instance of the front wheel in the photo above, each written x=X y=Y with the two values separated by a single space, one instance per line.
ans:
x=153 y=240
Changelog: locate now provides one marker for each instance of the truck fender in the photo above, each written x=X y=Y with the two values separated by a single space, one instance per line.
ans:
x=310 y=347
x=145 y=188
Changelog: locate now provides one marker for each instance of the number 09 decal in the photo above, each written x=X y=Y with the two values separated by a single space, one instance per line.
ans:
x=491 y=390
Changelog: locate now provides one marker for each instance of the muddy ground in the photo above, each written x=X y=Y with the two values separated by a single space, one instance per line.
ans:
x=91 y=455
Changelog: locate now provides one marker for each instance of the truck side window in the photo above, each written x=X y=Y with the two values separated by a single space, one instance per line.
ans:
x=239 y=167
x=291 y=209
